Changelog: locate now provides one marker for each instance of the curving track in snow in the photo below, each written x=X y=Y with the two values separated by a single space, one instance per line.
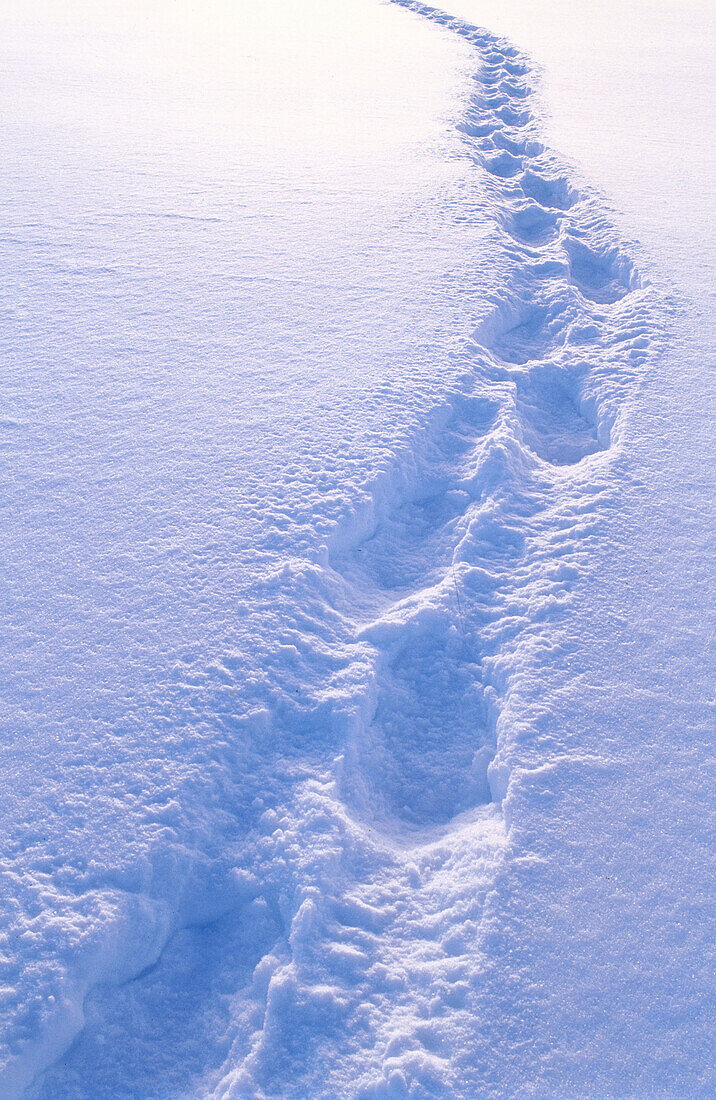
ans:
x=502 y=495
x=453 y=592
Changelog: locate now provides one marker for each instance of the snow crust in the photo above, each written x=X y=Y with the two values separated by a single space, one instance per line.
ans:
x=336 y=759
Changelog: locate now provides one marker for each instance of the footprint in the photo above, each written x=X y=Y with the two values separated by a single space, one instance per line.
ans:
x=477 y=129
x=521 y=334
x=531 y=224
x=555 y=193
x=409 y=547
x=472 y=417
x=512 y=117
x=554 y=427
x=602 y=278
x=517 y=146
x=426 y=753
x=491 y=76
x=514 y=68
x=415 y=542
x=503 y=165
x=162 y=1025
x=496 y=99
x=513 y=90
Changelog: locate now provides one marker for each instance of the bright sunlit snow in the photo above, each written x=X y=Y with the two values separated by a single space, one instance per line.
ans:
x=358 y=479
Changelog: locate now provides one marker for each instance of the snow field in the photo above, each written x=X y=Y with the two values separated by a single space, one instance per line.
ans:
x=353 y=786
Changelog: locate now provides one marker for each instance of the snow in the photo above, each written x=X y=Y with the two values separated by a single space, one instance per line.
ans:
x=357 y=599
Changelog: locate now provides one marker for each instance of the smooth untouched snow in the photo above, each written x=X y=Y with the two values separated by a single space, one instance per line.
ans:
x=357 y=611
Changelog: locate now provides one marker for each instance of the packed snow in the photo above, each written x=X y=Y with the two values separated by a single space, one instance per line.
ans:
x=358 y=492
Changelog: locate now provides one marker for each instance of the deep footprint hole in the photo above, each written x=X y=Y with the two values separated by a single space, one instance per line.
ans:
x=602 y=277
x=554 y=425
x=503 y=164
x=525 y=336
x=531 y=224
x=428 y=751
x=549 y=192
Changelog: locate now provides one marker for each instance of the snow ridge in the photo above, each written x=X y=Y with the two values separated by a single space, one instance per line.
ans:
x=451 y=583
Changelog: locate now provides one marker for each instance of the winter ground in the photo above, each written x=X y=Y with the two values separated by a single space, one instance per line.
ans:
x=358 y=483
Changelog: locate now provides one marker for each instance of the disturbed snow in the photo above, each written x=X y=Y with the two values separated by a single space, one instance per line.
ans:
x=316 y=449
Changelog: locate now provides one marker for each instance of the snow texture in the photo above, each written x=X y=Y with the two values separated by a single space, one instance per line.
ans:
x=310 y=788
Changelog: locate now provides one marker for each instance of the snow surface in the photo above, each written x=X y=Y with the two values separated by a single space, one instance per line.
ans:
x=358 y=606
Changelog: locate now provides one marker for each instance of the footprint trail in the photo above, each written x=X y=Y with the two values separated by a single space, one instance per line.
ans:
x=456 y=569
x=448 y=595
